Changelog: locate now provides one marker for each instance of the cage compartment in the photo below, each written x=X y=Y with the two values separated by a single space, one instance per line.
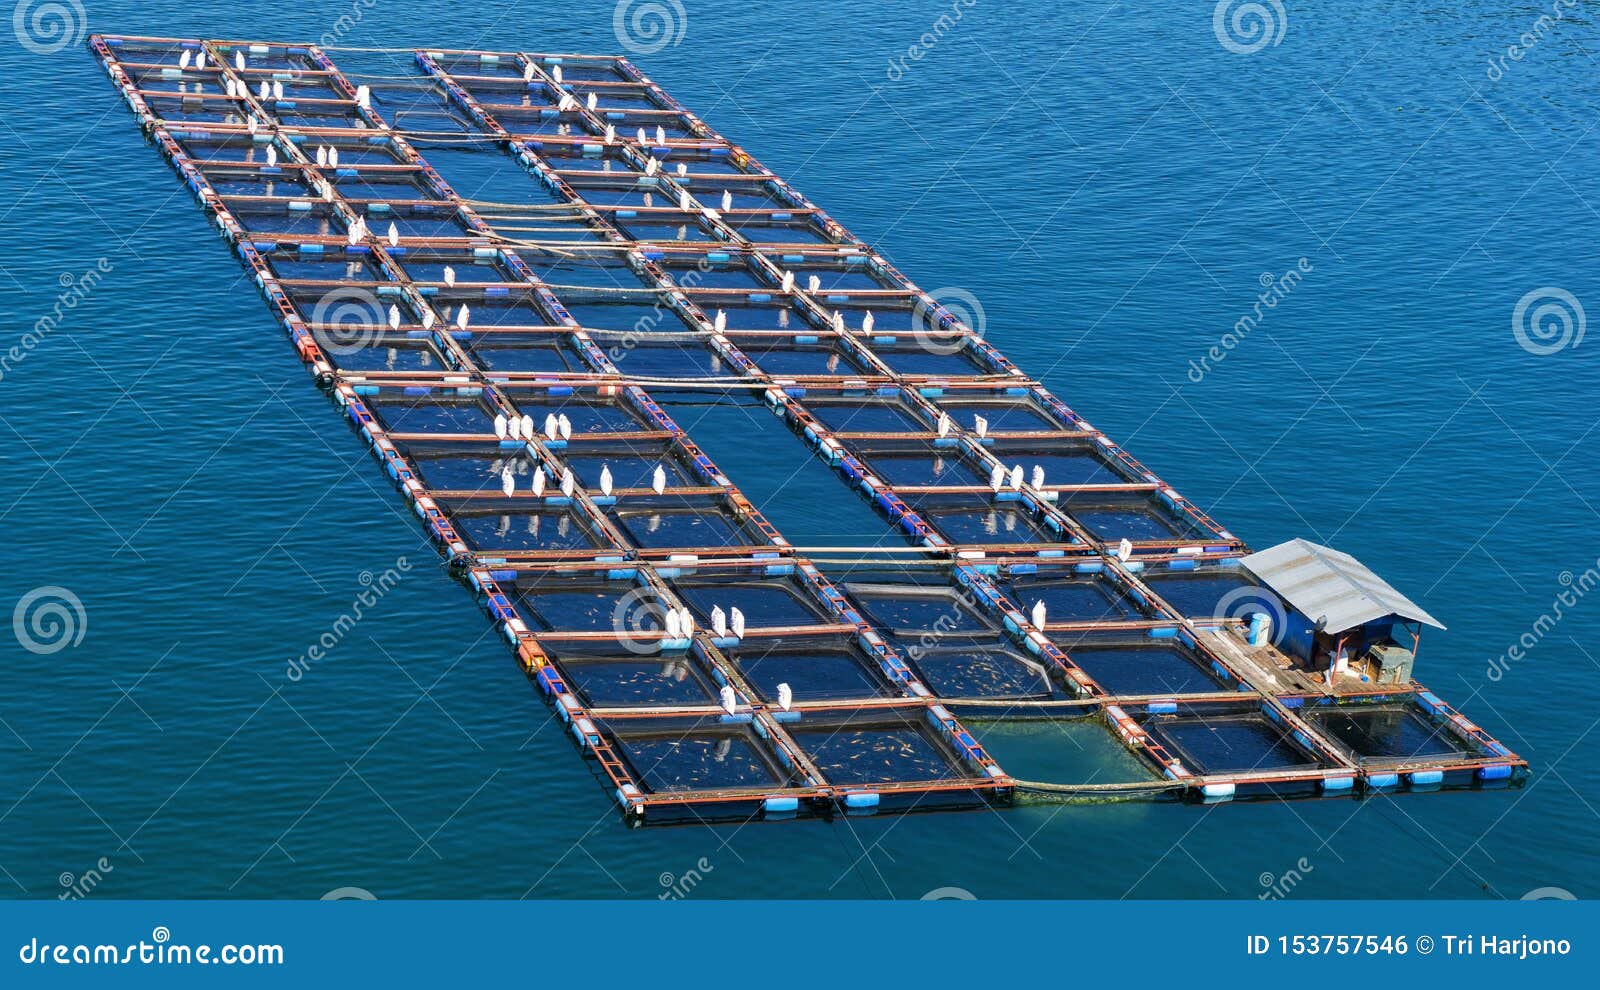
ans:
x=670 y=522
x=608 y=676
x=766 y=602
x=816 y=668
x=1138 y=518
x=1389 y=732
x=1244 y=742
x=1070 y=597
x=698 y=754
x=1145 y=666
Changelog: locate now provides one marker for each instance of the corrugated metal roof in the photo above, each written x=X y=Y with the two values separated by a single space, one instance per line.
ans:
x=1320 y=581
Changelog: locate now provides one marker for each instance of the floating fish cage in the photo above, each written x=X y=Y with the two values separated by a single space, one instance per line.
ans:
x=500 y=268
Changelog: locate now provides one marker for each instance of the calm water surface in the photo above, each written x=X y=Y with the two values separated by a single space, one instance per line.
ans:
x=1110 y=181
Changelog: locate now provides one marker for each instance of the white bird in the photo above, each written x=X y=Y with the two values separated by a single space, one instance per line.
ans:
x=550 y=426
x=1038 y=614
x=720 y=322
x=785 y=696
x=997 y=477
x=555 y=73
x=611 y=133
x=787 y=285
x=658 y=481
x=980 y=426
x=594 y=101
x=1124 y=550
x=327 y=191
x=674 y=631
x=866 y=322
x=527 y=73
x=683 y=168
x=200 y=59
x=565 y=425
x=651 y=166
x=333 y=156
x=661 y=135
x=813 y=284
x=277 y=89
x=508 y=481
x=730 y=701
x=605 y=480
x=322 y=154
x=944 y=425
x=527 y=426
x=428 y=319
x=514 y=427
x=449 y=276
x=719 y=622
x=566 y=103
x=538 y=482
x=364 y=97
x=227 y=87
x=183 y=60
x=251 y=124
x=353 y=235
x=272 y=156
x=1038 y=476
x=568 y=482
x=394 y=238
x=838 y=321
x=727 y=200
x=684 y=202
x=642 y=138
x=686 y=621
x=394 y=317
x=736 y=623
x=265 y=90
x=238 y=59
x=1016 y=478
x=461 y=316
x=500 y=425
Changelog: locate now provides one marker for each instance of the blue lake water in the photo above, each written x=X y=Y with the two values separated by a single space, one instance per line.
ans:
x=1109 y=180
